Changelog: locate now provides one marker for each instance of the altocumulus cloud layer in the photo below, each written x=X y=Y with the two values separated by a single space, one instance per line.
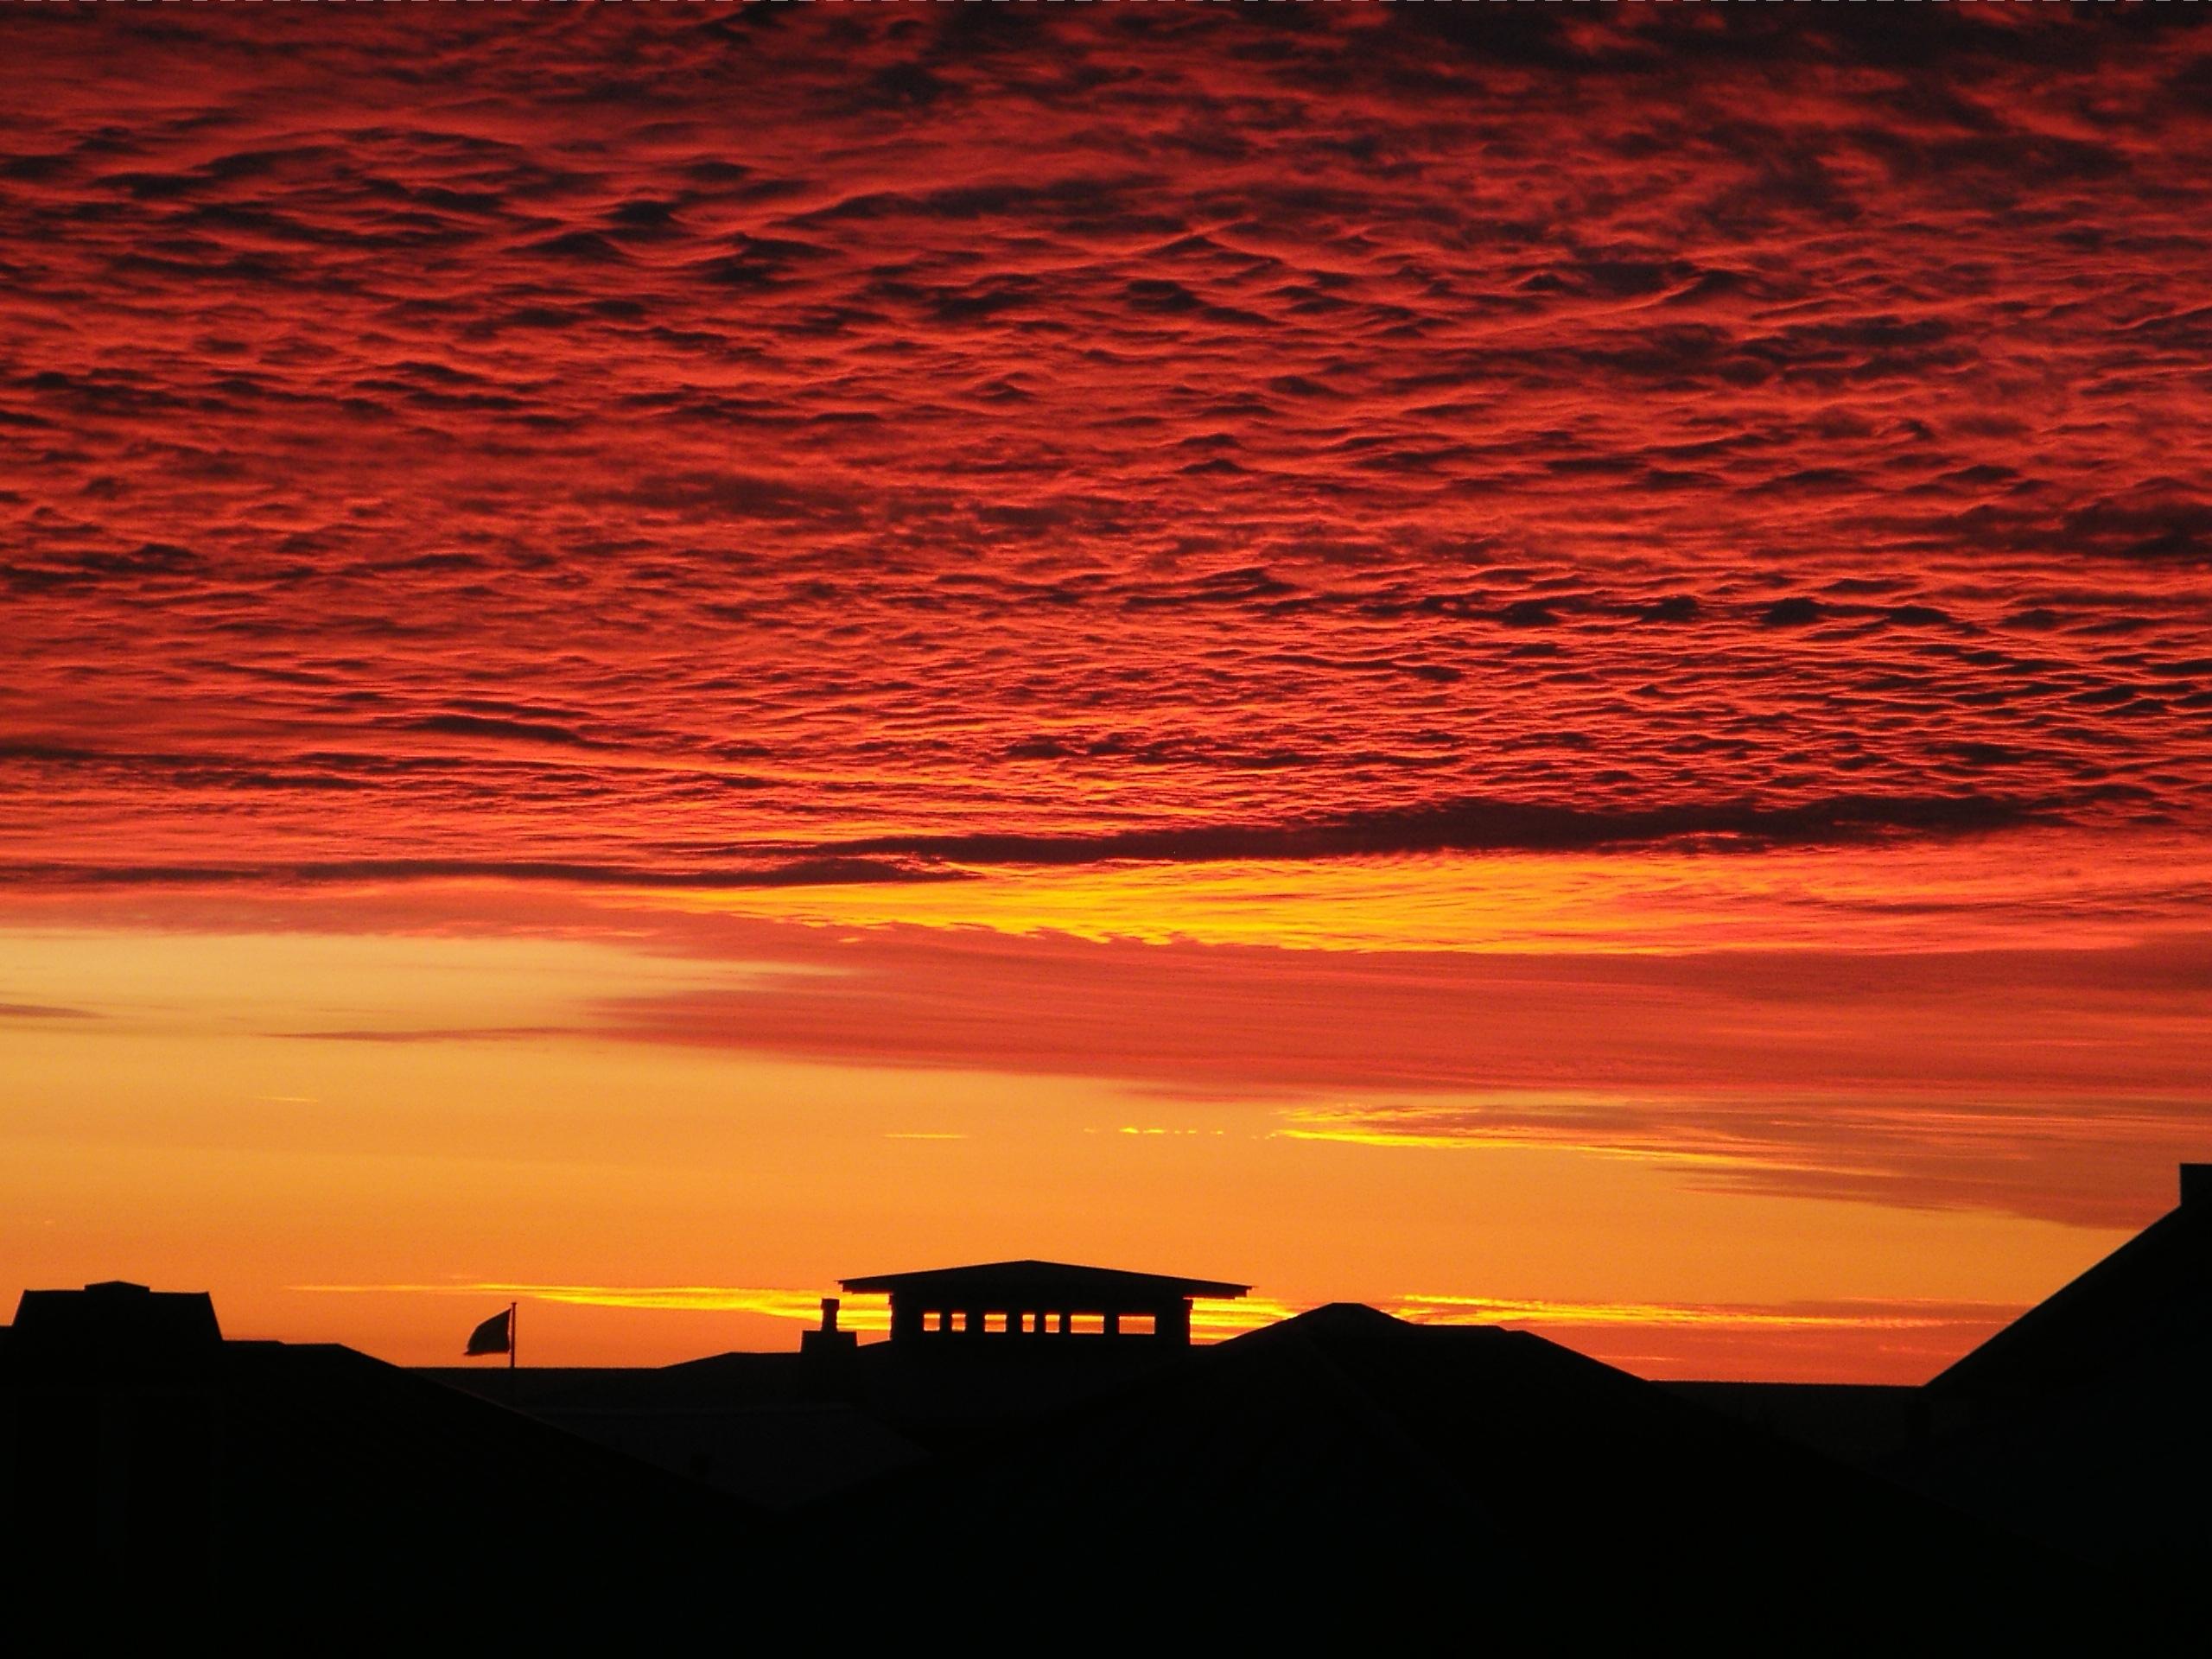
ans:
x=651 y=439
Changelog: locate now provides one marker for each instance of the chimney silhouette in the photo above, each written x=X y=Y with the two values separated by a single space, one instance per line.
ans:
x=828 y=1344
x=2197 y=1186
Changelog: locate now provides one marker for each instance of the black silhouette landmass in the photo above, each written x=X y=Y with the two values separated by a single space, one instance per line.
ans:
x=1341 y=1476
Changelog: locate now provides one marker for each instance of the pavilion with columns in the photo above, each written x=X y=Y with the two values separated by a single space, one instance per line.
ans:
x=1040 y=1301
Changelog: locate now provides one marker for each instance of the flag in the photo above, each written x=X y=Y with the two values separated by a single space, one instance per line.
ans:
x=495 y=1336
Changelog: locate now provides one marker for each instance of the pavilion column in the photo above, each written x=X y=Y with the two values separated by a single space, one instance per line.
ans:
x=1067 y=1323
x=906 y=1318
x=1113 y=1324
x=1172 y=1323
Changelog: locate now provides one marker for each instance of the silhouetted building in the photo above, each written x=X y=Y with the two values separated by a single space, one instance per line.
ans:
x=1347 y=1480
x=2084 y=1423
x=146 y=1463
x=1402 y=1473
x=2131 y=1309
x=1044 y=1300
x=113 y=1322
x=2081 y=1424
x=111 y=1430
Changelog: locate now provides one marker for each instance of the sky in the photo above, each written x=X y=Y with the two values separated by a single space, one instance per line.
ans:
x=1527 y=664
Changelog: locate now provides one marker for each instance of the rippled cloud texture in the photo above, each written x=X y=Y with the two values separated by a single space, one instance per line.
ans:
x=909 y=425
x=1176 y=527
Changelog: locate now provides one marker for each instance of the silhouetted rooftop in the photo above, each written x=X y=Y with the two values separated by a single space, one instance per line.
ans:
x=272 y=1480
x=2152 y=1291
x=1342 y=1467
x=2082 y=1422
x=1108 y=1286
x=1413 y=1474
x=113 y=1322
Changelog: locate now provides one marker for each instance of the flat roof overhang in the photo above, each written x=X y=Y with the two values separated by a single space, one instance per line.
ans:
x=1033 y=1284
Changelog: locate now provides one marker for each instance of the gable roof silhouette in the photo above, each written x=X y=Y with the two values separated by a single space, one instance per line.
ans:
x=1360 y=1451
x=2152 y=1293
x=2082 y=1423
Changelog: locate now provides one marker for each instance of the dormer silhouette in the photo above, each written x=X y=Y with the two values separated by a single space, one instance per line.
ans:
x=115 y=1326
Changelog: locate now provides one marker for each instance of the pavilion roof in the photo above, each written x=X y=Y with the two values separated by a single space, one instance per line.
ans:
x=1041 y=1283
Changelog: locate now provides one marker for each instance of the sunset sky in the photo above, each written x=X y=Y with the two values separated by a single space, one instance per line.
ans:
x=1531 y=662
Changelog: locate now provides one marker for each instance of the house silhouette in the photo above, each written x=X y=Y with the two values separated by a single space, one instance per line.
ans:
x=1365 y=1474
x=2141 y=1310
x=2084 y=1423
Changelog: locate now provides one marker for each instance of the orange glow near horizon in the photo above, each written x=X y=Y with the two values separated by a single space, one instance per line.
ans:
x=1904 y=1330
x=613 y=1095
x=1211 y=1319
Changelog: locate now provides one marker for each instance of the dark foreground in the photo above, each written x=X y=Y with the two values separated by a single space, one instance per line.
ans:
x=1341 y=1476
